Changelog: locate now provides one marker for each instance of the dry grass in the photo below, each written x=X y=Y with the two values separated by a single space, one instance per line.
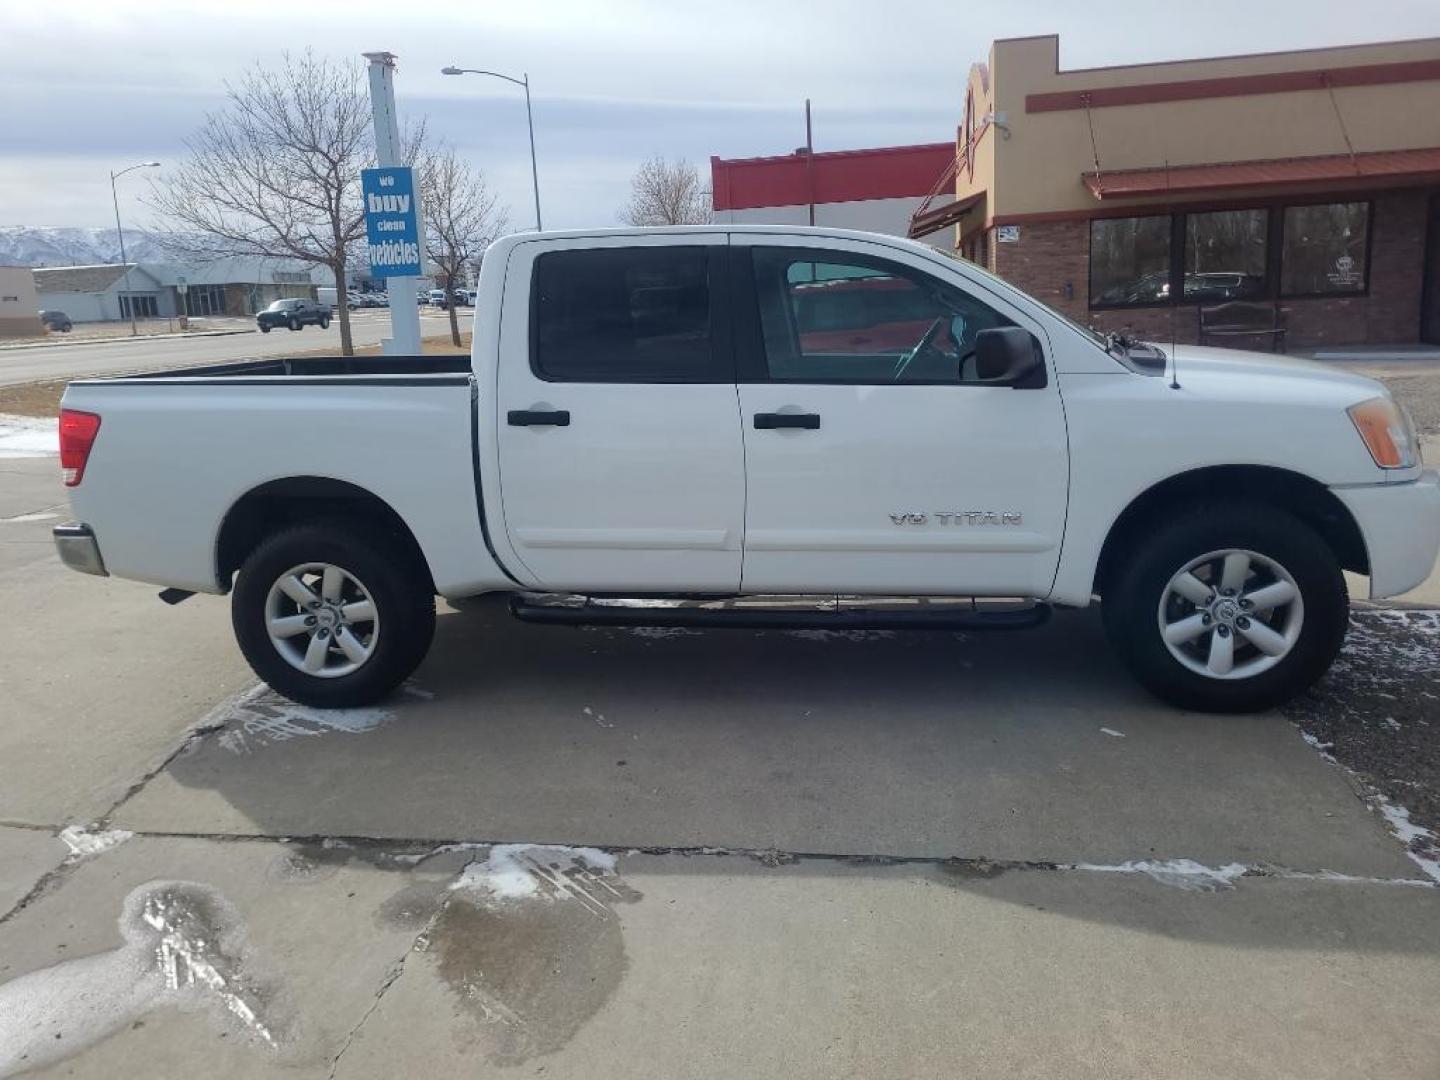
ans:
x=43 y=398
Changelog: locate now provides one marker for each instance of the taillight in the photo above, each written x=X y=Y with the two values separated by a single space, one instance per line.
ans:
x=77 y=437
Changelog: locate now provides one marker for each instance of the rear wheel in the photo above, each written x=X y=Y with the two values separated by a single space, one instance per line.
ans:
x=324 y=322
x=294 y=324
x=330 y=619
x=1228 y=608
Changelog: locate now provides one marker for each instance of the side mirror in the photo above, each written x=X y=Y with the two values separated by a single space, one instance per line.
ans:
x=1009 y=356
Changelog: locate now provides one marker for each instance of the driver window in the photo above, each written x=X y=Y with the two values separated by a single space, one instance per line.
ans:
x=837 y=317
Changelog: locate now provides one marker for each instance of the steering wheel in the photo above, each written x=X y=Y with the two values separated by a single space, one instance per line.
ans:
x=924 y=343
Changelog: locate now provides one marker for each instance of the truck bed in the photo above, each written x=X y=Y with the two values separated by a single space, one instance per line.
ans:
x=308 y=367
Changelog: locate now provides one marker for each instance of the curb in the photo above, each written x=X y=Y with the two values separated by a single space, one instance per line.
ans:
x=139 y=337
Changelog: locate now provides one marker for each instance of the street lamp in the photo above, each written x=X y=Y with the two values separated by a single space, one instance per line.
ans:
x=123 y=261
x=524 y=81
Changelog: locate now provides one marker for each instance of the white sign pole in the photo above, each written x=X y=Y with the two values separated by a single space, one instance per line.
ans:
x=404 y=309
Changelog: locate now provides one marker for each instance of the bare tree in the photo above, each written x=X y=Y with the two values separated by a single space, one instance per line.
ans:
x=276 y=173
x=462 y=217
x=666 y=194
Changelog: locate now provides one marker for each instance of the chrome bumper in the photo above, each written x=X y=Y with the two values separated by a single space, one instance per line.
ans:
x=78 y=549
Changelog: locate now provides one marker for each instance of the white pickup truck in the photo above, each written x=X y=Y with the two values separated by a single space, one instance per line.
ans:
x=703 y=413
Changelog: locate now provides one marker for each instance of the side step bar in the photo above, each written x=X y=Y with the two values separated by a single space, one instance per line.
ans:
x=753 y=618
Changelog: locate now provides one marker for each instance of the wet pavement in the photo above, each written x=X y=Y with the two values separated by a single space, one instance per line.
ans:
x=604 y=853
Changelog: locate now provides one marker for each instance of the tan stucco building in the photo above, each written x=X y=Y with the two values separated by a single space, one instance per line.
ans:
x=1135 y=197
x=19 y=305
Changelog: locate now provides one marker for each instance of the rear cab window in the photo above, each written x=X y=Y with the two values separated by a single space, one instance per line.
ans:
x=645 y=315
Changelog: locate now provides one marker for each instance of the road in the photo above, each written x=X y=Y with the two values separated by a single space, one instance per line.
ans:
x=748 y=854
x=70 y=361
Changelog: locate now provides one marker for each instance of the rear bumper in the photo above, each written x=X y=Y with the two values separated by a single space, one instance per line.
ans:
x=1401 y=526
x=78 y=549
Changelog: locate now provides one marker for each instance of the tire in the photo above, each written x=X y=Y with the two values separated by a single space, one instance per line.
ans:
x=294 y=324
x=264 y=328
x=324 y=324
x=376 y=566
x=1280 y=553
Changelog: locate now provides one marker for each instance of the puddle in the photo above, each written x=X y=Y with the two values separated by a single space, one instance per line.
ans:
x=184 y=947
x=531 y=946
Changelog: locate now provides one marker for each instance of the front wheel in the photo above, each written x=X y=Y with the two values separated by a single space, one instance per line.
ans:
x=1228 y=608
x=333 y=615
x=264 y=328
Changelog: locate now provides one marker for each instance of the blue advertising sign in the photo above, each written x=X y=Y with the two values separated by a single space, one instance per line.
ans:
x=391 y=221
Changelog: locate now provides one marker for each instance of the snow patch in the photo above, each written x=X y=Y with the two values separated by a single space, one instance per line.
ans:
x=841 y=635
x=85 y=843
x=29 y=436
x=1112 y=732
x=184 y=946
x=261 y=717
x=659 y=631
x=542 y=872
x=1422 y=845
x=1184 y=874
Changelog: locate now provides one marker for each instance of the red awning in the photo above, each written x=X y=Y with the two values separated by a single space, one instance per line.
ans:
x=930 y=221
x=1419 y=165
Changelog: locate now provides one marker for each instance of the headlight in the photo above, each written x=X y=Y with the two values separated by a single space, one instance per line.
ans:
x=1387 y=431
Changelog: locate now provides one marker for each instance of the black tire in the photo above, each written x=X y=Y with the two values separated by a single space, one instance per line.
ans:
x=264 y=328
x=1131 y=605
x=294 y=324
x=398 y=585
x=324 y=324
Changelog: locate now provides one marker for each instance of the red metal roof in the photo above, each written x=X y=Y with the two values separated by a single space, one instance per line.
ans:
x=1421 y=164
x=884 y=172
x=932 y=221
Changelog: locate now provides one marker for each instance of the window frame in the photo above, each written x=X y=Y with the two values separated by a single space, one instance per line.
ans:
x=1274 y=255
x=720 y=368
x=751 y=361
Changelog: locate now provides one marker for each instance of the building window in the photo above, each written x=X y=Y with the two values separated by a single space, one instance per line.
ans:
x=1129 y=261
x=143 y=307
x=1325 y=249
x=290 y=277
x=1225 y=255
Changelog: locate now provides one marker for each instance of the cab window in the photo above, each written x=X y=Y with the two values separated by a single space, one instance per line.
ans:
x=837 y=317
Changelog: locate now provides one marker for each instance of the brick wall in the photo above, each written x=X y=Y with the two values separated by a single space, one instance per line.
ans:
x=1051 y=262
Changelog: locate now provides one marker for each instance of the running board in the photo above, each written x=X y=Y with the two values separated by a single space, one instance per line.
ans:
x=752 y=618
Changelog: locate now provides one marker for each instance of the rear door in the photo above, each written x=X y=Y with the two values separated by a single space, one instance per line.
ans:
x=875 y=461
x=621 y=461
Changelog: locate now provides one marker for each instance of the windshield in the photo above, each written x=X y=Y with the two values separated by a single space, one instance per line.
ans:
x=1117 y=345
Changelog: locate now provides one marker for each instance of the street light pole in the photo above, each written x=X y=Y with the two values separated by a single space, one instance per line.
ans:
x=523 y=81
x=124 y=263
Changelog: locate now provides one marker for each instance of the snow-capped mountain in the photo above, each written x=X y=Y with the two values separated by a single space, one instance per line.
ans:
x=58 y=245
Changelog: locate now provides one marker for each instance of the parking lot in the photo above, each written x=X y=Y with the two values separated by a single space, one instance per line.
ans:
x=571 y=852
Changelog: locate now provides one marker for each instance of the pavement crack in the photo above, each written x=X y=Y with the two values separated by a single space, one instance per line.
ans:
x=192 y=736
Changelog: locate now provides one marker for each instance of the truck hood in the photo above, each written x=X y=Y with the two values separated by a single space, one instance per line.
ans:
x=1239 y=370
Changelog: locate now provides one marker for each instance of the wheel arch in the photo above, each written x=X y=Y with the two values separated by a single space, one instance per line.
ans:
x=292 y=500
x=1305 y=497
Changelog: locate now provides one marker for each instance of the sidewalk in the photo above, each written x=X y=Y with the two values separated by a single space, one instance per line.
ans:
x=52 y=340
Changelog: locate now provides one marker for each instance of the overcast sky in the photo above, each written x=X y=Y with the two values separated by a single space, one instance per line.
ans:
x=91 y=85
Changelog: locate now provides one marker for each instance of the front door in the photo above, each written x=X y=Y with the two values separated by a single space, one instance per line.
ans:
x=875 y=461
x=621 y=463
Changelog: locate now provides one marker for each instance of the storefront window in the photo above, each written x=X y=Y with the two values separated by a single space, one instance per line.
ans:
x=1225 y=255
x=1324 y=249
x=1129 y=261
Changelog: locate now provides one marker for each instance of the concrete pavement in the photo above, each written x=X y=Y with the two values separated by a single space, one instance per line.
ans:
x=865 y=855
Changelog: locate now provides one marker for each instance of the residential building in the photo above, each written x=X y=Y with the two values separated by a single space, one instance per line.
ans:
x=1133 y=197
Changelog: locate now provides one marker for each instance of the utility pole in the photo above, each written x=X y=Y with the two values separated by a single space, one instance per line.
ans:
x=809 y=161
x=404 y=307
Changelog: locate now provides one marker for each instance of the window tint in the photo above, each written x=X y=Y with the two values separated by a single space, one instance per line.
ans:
x=1129 y=261
x=1225 y=255
x=623 y=315
x=1325 y=248
x=836 y=317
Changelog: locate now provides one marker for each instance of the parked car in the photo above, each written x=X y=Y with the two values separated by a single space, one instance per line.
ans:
x=463 y=297
x=56 y=320
x=1210 y=498
x=294 y=313
x=436 y=298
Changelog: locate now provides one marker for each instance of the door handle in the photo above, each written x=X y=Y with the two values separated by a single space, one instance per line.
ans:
x=766 y=420
x=538 y=417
